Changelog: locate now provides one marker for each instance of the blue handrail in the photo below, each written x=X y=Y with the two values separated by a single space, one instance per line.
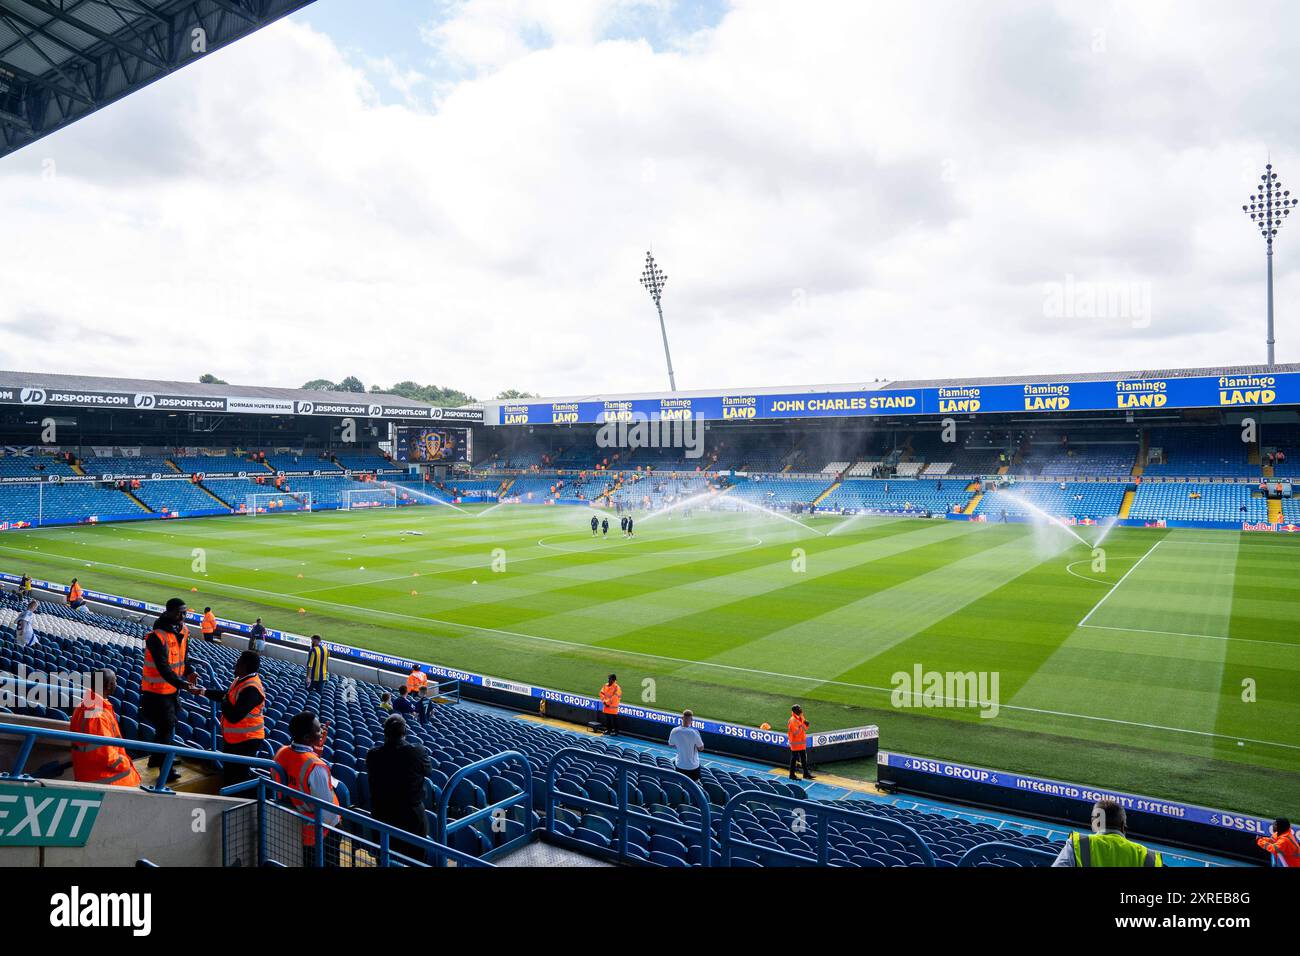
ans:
x=1030 y=856
x=623 y=811
x=77 y=692
x=170 y=752
x=450 y=689
x=446 y=828
x=387 y=833
x=824 y=813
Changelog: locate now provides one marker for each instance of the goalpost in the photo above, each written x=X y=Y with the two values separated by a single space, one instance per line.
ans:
x=376 y=497
x=275 y=502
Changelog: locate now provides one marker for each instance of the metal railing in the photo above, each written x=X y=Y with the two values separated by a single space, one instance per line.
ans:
x=214 y=707
x=169 y=753
x=810 y=814
x=495 y=811
x=449 y=690
x=323 y=834
x=623 y=812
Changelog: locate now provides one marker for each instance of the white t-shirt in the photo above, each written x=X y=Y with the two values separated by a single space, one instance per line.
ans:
x=26 y=631
x=688 y=743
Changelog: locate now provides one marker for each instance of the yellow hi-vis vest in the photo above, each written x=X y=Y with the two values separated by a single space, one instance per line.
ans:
x=1111 y=849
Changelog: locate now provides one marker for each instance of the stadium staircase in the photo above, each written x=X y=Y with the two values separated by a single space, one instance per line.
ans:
x=76 y=466
x=826 y=494
x=213 y=495
x=1139 y=465
x=973 y=503
x=1126 y=504
x=130 y=494
x=1275 y=510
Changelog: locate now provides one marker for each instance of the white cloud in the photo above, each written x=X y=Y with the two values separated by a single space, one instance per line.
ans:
x=838 y=191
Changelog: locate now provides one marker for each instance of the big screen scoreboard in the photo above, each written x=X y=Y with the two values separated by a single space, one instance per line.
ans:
x=419 y=444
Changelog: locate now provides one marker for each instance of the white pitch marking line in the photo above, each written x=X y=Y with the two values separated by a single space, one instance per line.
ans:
x=688 y=661
x=1119 y=582
x=1083 y=577
x=1204 y=637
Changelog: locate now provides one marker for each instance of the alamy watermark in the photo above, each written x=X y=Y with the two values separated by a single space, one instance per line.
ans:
x=1082 y=299
x=632 y=430
x=965 y=689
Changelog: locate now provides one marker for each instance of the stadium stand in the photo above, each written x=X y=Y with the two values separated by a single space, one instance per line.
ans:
x=177 y=497
x=33 y=466
x=144 y=464
x=1201 y=452
x=1096 y=500
x=779 y=492
x=1198 y=501
x=867 y=494
x=199 y=464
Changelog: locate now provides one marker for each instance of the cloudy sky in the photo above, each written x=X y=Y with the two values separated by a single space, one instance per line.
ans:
x=462 y=192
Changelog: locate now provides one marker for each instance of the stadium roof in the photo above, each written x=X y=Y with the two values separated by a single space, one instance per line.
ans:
x=61 y=60
x=1211 y=372
x=92 y=383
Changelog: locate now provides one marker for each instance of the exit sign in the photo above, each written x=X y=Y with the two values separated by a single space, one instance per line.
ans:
x=31 y=815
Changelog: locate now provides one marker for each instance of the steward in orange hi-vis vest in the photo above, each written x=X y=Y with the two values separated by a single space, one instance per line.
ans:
x=1281 y=844
x=298 y=766
x=100 y=763
x=152 y=679
x=797 y=731
x=251 y=726
x=243 y=728
x=611 y=695
x=306 y=772
x=415 y=680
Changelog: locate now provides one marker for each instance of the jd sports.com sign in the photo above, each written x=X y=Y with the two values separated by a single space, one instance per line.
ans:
x=40 y=816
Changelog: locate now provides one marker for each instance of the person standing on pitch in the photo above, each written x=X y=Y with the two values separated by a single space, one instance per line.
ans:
x=629 y=526
x=611 y=695
x=604 y=527
x=595 y=525
x=797 y=729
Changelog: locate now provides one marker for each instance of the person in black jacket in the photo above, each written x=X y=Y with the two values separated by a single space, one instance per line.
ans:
x=162 y=709
x=397 y=770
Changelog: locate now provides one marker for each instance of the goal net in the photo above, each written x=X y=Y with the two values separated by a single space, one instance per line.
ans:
x=275 y=502
x=376 y=497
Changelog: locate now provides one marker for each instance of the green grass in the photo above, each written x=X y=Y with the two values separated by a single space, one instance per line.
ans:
x=710 y=613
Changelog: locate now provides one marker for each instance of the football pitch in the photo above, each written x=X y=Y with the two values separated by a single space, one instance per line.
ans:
x=1168 y=663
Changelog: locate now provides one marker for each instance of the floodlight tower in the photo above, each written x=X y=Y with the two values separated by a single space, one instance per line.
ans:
x=654 y=279
x=1268 y=209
